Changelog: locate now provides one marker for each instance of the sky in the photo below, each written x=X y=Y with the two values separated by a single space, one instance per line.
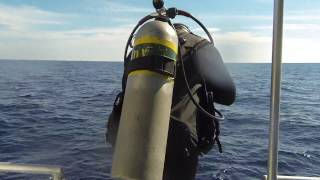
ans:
x=97 y=30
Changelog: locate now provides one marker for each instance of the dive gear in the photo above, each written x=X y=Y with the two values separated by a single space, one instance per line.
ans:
x=150 y=69
x=143 y=129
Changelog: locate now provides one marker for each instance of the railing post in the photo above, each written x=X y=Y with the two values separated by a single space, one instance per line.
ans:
x=55 y=172
x=57 y=176
x=275 y=89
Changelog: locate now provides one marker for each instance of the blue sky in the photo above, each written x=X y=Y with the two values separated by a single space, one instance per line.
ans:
x=98 y=29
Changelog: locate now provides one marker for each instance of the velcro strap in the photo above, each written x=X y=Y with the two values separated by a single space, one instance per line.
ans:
x=158 y=64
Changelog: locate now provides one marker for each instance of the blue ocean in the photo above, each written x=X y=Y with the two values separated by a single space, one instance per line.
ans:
x=54 y=113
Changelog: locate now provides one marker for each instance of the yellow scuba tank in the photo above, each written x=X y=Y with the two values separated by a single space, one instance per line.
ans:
x=142 y=137
x=143 y=130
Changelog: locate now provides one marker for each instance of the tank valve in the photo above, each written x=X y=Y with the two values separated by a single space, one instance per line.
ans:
x=158 y=4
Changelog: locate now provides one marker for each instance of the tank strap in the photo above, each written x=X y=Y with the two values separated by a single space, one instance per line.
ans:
x=153 y=63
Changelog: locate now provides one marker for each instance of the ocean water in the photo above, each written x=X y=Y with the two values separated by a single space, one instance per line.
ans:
x=54 y=112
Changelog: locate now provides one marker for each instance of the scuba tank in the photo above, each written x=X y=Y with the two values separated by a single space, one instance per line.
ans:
x=143 y=130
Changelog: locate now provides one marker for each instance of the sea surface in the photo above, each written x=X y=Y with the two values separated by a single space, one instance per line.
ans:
x=54 y=113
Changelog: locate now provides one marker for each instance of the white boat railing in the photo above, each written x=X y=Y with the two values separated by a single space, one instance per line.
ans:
x=275 y=97
x=294 y=178
x=275 y=89
x=55 y=172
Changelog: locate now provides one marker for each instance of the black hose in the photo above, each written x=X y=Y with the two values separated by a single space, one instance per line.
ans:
x=220 y=117
x=186 y=14
x=143 y=20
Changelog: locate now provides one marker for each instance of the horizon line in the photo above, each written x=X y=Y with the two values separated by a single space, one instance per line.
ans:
x=114 y=61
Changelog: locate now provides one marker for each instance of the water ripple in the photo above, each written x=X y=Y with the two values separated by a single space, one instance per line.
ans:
x=55 y=113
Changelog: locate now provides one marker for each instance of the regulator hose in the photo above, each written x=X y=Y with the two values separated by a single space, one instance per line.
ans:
x=221 y=116
x=143 y=20
x=202 y=110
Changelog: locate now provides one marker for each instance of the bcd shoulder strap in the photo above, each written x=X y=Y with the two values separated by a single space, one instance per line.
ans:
x=190 y=42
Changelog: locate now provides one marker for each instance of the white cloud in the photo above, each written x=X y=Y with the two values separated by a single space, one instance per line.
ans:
x=210 y=29
x=20 y=39
x=24 y=17
x=243 y=47
x=114 y=6
x=302 y=17
x=234 y=16
x=309 y=27
x=82 y=44
x=292 y=16
x=249 y=47
x=302 y=26
x=301 y=50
